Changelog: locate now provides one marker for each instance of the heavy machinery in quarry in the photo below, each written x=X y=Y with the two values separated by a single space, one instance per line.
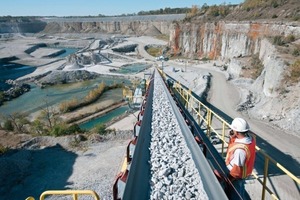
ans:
x=171 y=154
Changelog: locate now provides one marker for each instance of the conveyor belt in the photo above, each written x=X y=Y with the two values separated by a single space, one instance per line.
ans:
x=146 y=181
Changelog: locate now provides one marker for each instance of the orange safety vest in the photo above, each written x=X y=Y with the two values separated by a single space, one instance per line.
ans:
x=250 y=156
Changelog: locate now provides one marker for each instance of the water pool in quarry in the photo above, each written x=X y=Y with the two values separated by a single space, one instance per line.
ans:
x=51 y=96
x=104 y=119
x=13 y=71
x=133 y=68
x=39 y=98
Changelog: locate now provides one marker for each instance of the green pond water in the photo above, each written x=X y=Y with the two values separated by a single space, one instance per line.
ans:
x=38 y=98
x=103 y=119
x=68 y=51
x=133 y=68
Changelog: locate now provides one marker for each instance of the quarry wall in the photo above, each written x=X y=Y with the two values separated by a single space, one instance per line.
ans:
x=150 y=28
x=130 y=25
x=22 y=27
x=225 y=39
x=229 y=41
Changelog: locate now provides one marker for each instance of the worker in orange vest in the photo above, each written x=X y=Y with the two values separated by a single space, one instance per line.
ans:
x=240 y=157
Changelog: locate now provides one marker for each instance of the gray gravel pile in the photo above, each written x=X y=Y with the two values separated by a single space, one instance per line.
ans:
x=174 y=174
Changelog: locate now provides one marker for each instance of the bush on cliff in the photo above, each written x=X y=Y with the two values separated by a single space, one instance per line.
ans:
x=293 y=75
x=63 y=129
x=8 y=125
x=17 y=122
x=100 y=129
x=257 y=66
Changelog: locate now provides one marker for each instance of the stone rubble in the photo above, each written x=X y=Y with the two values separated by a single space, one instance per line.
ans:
x=174 y=175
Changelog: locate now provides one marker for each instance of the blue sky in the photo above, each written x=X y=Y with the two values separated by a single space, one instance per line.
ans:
x=94 y=7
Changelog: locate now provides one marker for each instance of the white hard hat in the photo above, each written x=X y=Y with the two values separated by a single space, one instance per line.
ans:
x=239 y=125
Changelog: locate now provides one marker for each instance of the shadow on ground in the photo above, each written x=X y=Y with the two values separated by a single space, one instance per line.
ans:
x=27 y=173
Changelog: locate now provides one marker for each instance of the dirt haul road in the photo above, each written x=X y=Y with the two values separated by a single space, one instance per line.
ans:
x=283 y=147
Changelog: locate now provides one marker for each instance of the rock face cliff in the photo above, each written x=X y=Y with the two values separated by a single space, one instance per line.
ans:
x=231 y=41
x=134 y=25
x=22 y=27
x=114 y=27
x=224 y=40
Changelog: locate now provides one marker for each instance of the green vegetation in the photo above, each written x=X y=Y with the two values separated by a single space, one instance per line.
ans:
x=16 y=122
x=68 y=105
x=257 y=66
x=163 y=37
x=38 y=128
x=8 y=125
x=3 y=149
x=252 y=4
x=1 y=97
x=216 y=11
x=154 y=51
x=250 y=9
x=293 y=75
x=165 y=11
x=95 y=94
x=287 y=45
x=63 y=129
x=20 y=124
x=193 y=12
x=59 y=130
x=281 y=40
x=46 y=123
x=290 y=38
x=278 y=40
x=100 y=129
x=90 y=98
x=211 y=11
x=253 y=67
x=296 y=18
x=205 y=59
x=296 y=52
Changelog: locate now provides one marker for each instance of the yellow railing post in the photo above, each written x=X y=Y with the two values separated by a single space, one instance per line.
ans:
x=266 y=166
x=199 y=111
x=223 y=139
x=188 y=97
x=75 y=197
x=208 y=122
x=74 y=193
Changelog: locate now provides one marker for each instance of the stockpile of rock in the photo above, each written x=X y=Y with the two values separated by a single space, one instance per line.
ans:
x=60 y=77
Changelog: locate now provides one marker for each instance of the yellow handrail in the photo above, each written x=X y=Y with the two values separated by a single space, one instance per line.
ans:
x=187 y=96
x=74 y=193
